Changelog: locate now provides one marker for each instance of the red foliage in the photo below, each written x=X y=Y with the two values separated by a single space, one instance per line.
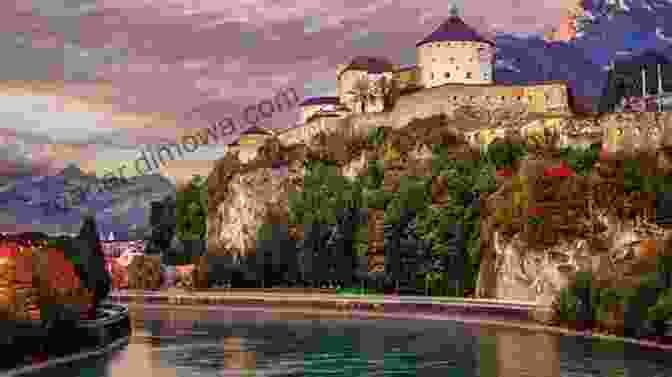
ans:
x=9 y=250
x=535 y=211
x=61 y=272
x=559 y=171
x=504 y=172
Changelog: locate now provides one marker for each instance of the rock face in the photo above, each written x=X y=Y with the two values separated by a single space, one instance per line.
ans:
x=589 y=223
x=237 y=219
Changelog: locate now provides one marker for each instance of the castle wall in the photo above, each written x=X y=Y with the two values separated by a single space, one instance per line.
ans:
x=303 y=134
x=408 y=78
x=308 y=111
x=545 y=97
x=347 y=82
x=455 y=63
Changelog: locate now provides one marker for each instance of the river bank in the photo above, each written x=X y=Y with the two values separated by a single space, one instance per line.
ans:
x=326 y=303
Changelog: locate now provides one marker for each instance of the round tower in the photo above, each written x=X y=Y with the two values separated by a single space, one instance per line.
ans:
x=455 y=54
x=370 y=70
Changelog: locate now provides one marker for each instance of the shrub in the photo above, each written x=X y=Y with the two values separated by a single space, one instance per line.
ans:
x=662 y=310
x=566 y=305
x=376 y=136
x=581 y=160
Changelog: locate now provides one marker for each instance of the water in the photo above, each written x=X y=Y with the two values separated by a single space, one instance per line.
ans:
x=227 y=342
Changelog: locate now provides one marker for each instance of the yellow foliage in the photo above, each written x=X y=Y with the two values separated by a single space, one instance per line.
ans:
x=520 y=191
x=391 y=153
x=503 y=215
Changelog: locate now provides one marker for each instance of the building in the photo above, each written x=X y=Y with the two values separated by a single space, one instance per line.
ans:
x=455 y=68
x=249 y=142
x=455 y=54
x=638 y=83
x=313 y=106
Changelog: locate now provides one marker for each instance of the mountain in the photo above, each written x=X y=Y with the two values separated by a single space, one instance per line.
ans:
x=56 y=203
x=640 y=26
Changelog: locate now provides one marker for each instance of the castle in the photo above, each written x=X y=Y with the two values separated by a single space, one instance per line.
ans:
x=455 y=67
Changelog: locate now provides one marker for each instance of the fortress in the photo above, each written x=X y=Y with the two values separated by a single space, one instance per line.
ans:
x=455 y=67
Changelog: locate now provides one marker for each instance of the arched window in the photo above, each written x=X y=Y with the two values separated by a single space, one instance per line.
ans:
x=446 y=75
x=468 y=75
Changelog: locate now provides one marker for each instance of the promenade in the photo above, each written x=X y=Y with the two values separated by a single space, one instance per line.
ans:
x=328 y=304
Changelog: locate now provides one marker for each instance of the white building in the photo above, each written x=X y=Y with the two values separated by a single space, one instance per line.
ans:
x=455 y=54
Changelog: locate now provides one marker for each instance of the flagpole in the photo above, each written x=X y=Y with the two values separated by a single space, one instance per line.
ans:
x=660 y=90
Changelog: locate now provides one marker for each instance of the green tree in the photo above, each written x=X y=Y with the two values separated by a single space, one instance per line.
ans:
x=192 y=209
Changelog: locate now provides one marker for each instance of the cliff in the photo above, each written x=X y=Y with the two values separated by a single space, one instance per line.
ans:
x=590 y=223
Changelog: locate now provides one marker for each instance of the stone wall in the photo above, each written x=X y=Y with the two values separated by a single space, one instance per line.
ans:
x=455 y=62
x=303 y=134
x=548 y=97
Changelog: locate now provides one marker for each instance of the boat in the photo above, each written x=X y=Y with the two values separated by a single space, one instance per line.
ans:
x=27 y=346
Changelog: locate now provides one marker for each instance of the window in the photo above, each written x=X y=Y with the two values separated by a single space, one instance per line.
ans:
x=519 y=98
x=447 y=75
x=434 y=59
x=468 y=75
x=502 y=98
x=455 y=98
x=451 y=60
x=431 y=76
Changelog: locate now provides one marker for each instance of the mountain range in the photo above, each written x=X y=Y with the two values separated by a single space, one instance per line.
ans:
x=55 y=204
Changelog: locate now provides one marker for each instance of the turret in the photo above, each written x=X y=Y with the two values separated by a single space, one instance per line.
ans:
x=455 y=54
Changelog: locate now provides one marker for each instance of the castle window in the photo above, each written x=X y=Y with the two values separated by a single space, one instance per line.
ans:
x=431 y=76
x=502 y=98
x=447 y=75
x=468 y=75
x=451 y=60
x=519 y=98
x=434 y=59
x=455 y=98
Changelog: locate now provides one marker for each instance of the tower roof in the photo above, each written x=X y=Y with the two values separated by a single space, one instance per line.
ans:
x=369 y=64
x=454 y=29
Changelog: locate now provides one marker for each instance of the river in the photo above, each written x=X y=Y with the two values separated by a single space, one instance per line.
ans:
x=186 y=342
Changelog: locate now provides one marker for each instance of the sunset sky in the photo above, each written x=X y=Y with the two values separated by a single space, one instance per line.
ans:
x=91 y=82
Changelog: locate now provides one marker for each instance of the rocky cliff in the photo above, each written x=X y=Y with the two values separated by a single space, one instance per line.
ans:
x=590 y=222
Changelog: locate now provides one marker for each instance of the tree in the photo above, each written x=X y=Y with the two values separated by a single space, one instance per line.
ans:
x=89 y=258
x=163 y=224
x=192 y=209
x=362 y=92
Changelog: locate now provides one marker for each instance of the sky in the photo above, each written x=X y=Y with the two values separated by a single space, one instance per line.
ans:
x=92 y=82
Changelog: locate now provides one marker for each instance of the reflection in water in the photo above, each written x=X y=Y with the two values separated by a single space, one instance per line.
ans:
x=186 y=343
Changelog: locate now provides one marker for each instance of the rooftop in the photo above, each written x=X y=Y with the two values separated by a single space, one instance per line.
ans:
x=320 y=101
x=369 y=64
x=454 y=29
